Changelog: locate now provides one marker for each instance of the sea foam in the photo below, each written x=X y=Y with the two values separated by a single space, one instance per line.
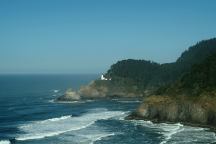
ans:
x=99 y=137
x=60 y=125
x=56 y=91
x=178 y=133
x=167 y=130
x=4 y=142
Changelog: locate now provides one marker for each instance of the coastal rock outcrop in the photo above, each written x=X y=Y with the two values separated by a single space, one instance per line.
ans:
x=69 y=95
x=182 y=91
x=107 y=89
x=190 y=99
x=183 y=109
x=93 y=91
x=99 y=89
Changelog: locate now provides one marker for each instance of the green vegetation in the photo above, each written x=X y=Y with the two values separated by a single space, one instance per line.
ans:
x=139 y=72
x=201 y=78
x=189 y=92
x=151 y=75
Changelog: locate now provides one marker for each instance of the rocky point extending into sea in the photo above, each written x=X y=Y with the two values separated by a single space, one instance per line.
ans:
x=183 y=91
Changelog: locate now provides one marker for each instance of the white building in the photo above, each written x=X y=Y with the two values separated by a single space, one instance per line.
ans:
x=103 y=78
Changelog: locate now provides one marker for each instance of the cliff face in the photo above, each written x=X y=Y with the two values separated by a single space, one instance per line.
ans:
x=99 y=89
x=107 y=89
x=191 y=99
x=169 y=109
x=93 y=91
x=69 y=95
x=187 y=87
x=141 y=78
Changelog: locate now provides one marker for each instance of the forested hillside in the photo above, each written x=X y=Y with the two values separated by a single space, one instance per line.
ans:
x=201 y=78
x=192 y=97
x=148 y=74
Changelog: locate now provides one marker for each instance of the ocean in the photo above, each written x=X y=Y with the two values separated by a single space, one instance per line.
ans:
x=28 y=115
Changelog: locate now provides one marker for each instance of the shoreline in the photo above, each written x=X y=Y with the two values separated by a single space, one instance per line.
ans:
x=133 y=116
x=208 y=127
x=112 y=98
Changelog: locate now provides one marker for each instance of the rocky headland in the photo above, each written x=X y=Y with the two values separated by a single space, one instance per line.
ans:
x=182 y=91
x=191 y=99
x=100 y=89
x=199 y=111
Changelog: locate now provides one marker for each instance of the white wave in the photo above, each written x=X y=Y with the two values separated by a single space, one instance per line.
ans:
x=129 y=101
x=143 y=123
x=90 y=100
x=70 y=102
x=186 y=134
x=98 y=137
x=195 y=135
x=122 y=117
x=4 y=142
x=90 y=135
x=56 y=119
x=56 y=126
x=56 y=91
x=178 y=133
x=51 y=101
x=169 y=130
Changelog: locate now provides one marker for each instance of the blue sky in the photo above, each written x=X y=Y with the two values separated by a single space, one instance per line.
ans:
x=87 y=36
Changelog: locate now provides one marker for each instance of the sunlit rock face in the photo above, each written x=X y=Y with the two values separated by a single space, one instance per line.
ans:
x=69 y=95
x=107 y=89
x=93 y=91
x=171 y=109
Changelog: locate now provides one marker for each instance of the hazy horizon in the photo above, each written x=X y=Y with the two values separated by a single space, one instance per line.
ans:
x=87 y=37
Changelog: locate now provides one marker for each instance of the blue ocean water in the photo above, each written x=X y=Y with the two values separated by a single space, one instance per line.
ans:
x=28 y=115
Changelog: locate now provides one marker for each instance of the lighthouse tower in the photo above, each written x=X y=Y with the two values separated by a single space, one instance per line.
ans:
x=103 y=78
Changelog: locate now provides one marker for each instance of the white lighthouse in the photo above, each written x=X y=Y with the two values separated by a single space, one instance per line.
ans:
x=103 y=78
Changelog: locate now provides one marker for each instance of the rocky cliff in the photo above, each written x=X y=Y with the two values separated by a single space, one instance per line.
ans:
x=171 y=109
x=69 y=95
x=108 y=89
x=183 y=91
x=191 y=99
x=99 y=89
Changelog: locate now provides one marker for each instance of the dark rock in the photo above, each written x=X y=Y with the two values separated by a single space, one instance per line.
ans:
x=171 y=109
